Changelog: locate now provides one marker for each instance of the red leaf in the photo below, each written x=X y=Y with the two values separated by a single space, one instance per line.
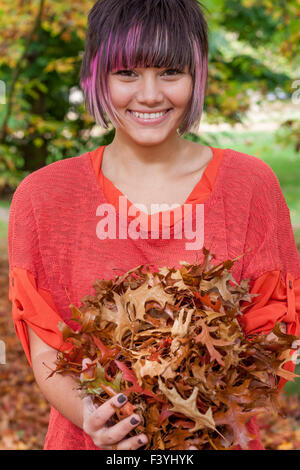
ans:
x=105 y=351
x=131 y=377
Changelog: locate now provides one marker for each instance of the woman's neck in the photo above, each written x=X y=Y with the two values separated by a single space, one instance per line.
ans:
x=129 y=159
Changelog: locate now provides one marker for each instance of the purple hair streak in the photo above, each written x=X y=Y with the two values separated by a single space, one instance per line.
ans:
x=126 y=34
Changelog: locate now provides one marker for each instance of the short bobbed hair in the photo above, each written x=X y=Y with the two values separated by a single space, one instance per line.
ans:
x=127 y=34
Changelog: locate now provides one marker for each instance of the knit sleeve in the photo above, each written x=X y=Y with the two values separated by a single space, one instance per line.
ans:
x=269 y=233
x=273 y=265
x=275 y=303
x=23 y=234
x=35 y=307
x=27 y=279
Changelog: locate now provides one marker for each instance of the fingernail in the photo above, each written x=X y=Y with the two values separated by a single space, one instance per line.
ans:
x=134 y=421
x=142 y=440
x=121 y=398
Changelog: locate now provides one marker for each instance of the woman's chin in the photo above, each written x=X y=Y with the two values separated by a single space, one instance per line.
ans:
x=148 y=140
x=150 y=136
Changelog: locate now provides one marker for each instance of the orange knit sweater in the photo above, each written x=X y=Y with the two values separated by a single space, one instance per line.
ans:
x=54 y=249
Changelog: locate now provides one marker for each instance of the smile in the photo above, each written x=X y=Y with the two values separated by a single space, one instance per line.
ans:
x=149 y=118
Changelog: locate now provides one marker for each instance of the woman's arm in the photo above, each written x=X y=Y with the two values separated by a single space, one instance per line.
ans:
x=57 y=386
x=61 y=392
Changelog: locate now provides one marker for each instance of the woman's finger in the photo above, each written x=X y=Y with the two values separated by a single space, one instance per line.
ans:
x=88 y=408
x=102 y=414
x=131 y=443
x=116 y=433
x=192 y=448
x=89 y=373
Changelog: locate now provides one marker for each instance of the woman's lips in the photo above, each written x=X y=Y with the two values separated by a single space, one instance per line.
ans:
x=148 y=122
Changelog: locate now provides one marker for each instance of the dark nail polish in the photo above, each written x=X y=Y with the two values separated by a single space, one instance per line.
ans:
x=140 y=441
x=134 y=421
x=121 y=398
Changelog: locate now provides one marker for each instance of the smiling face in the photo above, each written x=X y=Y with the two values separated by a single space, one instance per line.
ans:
x=151 y=91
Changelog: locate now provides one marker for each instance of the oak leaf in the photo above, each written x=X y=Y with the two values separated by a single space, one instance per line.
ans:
x=188 y=407
x=210 y=342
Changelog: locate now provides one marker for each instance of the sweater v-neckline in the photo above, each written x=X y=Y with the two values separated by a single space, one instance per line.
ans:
x=96 y=157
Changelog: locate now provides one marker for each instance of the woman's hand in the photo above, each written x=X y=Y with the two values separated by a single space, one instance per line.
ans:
x=96 y=420
x=113 y=437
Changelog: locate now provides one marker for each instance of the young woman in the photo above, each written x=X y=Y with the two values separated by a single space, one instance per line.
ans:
x=145 y=70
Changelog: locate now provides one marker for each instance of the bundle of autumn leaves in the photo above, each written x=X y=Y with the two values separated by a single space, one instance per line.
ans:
x=171 y=340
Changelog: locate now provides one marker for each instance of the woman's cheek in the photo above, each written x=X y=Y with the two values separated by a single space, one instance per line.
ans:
x=120 y=95
x=180 y=94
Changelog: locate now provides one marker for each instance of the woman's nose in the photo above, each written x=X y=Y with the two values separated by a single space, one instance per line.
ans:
x=150 y=90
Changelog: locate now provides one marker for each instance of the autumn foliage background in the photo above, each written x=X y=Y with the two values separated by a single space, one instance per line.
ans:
x=253 y=69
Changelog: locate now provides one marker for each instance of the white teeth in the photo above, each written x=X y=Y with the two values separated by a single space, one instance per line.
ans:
x=148 y=116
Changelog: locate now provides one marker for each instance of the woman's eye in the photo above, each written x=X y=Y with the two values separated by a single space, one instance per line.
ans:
x=175 y=71
x=127 y=73
x=124 y=72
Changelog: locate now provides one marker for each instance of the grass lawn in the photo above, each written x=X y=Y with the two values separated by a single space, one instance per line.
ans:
x=5 y=204
x=3 y=223
x=3 y=230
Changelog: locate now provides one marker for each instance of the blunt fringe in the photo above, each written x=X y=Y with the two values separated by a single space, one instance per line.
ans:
x=143 y=33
